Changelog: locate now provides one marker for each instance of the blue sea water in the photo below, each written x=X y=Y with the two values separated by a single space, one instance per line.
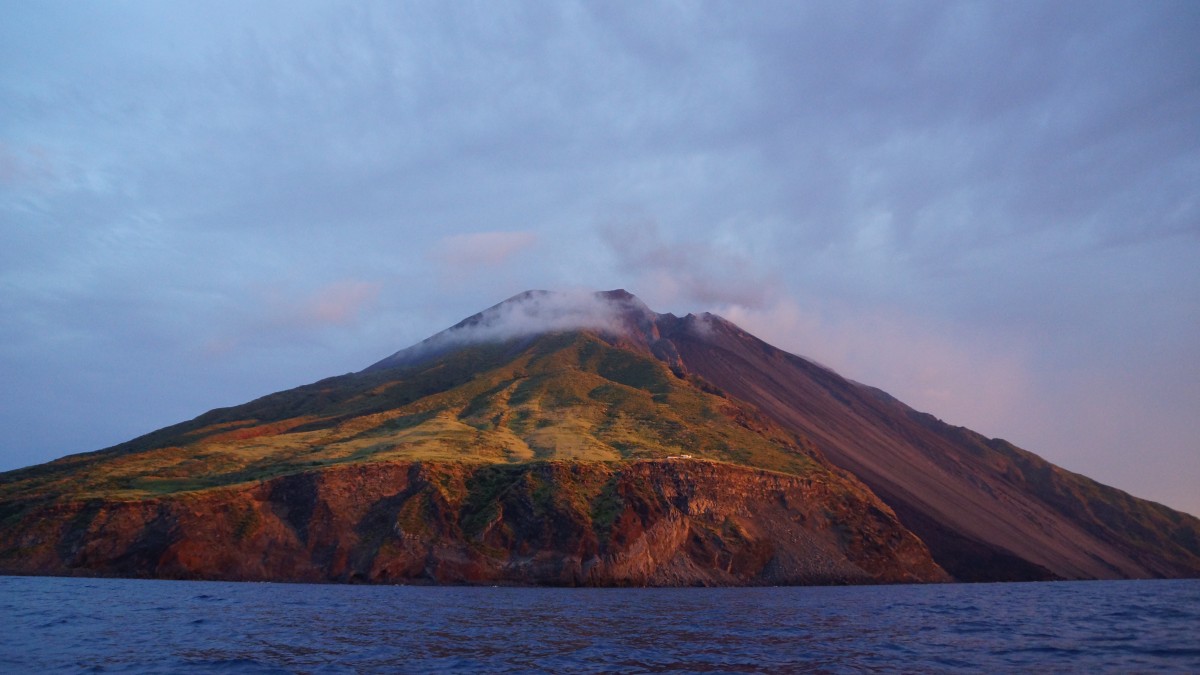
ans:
x=114 y=625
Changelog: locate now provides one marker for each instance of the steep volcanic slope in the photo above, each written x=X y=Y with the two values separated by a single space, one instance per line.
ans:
x=384 y=475
x=987 y=509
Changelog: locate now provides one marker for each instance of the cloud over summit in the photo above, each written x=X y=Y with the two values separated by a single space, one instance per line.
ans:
x=531 y=313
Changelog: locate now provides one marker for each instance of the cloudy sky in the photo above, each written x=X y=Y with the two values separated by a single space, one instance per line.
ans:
x=990 y=210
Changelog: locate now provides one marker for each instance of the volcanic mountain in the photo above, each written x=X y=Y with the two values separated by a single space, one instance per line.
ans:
x=581 y=439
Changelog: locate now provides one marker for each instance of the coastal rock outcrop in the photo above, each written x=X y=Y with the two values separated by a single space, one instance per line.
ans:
x=669 y=522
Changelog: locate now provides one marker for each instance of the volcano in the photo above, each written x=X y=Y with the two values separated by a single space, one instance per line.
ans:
x=581 y=439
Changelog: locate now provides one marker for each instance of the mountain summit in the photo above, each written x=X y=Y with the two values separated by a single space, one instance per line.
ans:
x=615 y=314
x=581 y=438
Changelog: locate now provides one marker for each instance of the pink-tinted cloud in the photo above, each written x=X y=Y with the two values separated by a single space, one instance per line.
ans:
x=280 y=316
x=339 y=303
x=26 y=165
x=487 y=249
x=967 y=380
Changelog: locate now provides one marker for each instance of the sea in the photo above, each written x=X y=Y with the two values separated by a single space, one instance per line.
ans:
x=143 y=626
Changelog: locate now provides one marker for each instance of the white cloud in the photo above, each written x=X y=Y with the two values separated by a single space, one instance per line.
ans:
x=533 y=313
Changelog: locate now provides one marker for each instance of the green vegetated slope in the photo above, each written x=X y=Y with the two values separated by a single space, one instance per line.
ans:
x=568 y=396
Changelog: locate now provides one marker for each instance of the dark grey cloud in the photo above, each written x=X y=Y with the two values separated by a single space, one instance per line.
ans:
x=927 y=197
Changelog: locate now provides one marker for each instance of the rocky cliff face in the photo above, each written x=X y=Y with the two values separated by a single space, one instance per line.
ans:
x=663 y=523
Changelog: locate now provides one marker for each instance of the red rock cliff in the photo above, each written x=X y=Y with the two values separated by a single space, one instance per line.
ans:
x=661 y=523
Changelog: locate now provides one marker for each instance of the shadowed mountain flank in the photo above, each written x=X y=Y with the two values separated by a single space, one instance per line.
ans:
x=987 y=509
x=580 y=439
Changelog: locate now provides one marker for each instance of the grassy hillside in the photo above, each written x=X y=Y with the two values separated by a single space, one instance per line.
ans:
x=565 y=396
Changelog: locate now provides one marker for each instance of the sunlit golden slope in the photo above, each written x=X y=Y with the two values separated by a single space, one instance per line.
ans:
x=569 y=396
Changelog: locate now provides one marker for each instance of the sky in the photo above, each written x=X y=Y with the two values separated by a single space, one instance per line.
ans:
x=990 y=210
